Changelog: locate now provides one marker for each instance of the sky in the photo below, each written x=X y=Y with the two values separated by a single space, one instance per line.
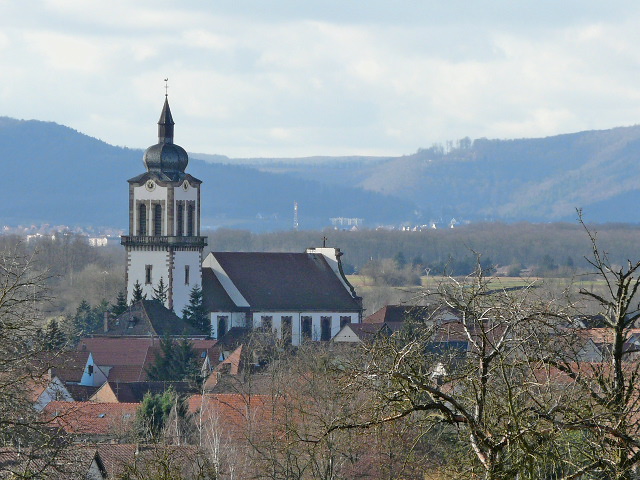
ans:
x=290 y=78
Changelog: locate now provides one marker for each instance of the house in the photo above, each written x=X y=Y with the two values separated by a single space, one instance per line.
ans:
x=92 y=421
x=134 y=392
x=150 y=318
x=401 y=313
x=46 y=390
x=179 y=461
x=298 y=296
x=126 y=359
x=362 y=332
x=75 y=462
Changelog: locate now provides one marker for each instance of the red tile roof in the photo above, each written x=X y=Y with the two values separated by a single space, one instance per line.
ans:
x=88 y=418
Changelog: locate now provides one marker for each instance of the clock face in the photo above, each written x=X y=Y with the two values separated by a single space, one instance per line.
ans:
x=150 y=185
x=185 y=186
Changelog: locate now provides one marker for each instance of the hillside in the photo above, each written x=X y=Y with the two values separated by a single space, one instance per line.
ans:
x=57 y=175
x=542 y=179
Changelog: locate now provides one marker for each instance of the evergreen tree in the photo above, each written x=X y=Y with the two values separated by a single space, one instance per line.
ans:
x=196 y=312
x=177 y=361
x=161 y=292
x=120 y=306
x=155 y=411
x=52 y=337
x=137 y=293
x=83 y=321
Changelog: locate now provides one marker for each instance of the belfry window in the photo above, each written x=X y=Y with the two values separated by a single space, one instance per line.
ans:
x=142 y=219
x=190 y=226
x=180 y=219
x=157 y=220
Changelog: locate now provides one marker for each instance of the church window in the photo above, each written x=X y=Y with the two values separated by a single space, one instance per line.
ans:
x=148 y=280
x=222 y=325
x=180 y=220
x=186 y=274
x=287 y=333
x=157 y=220
x=325 y=329
x=344 y=320
x=267 y=323
x=190 y=226
x=142 y=219
x=306 y=327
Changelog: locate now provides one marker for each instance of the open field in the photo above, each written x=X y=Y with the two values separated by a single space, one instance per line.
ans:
x=376 y=296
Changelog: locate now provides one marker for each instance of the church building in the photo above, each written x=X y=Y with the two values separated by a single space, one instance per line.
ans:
x=296 y=295
x=164 y=241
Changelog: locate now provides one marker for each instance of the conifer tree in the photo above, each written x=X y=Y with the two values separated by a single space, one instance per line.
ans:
x=195 y=311
x=52 y=337
x=121 y=304
x=176 y=362
x=161 y=292
x=137 y=293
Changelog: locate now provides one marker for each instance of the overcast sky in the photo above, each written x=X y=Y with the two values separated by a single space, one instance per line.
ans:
x=297 y=78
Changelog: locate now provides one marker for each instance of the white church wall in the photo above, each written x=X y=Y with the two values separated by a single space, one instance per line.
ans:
x=234 y=319
x=181 y=289
x=137 y=270
x=316 y=322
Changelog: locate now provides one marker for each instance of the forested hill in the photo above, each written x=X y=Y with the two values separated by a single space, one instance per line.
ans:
x=56 y=175
x=541 y=179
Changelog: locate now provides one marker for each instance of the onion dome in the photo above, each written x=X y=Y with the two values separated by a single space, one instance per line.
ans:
x=166 y=157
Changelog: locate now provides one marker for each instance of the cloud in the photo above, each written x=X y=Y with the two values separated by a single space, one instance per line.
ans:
x=303 y=78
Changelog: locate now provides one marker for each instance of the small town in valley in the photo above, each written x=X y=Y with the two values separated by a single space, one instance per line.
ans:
x=290 y=295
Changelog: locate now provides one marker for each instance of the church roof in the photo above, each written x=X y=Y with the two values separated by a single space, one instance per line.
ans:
x=166 y=158
x=279 y=282
x=216 y=298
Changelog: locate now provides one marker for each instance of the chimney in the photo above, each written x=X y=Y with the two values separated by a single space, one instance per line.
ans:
x=106 y=322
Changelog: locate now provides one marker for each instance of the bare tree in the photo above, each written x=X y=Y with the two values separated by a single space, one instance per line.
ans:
x=22 y=294
x=603 y=419
x=470 y=379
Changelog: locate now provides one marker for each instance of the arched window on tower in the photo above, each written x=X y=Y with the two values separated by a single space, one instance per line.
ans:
x=190 y=225
x=157 y=219
x=142 y=219
x=180 y=220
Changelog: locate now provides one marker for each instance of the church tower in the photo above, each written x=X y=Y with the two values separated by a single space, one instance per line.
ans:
x=164 y=241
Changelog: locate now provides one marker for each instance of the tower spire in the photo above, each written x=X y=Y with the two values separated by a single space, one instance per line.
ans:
x=165 y=124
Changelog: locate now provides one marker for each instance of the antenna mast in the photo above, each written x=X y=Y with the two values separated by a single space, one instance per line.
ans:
x=295 y=216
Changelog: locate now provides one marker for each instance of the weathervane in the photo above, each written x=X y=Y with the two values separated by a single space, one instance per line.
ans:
x=166 y=87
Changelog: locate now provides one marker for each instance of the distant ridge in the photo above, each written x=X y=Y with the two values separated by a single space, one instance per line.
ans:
x=54 y=174
x=540 y=179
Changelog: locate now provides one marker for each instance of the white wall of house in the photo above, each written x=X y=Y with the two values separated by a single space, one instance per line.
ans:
x=54 y=391
x=92 y=376
x=346 y=335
